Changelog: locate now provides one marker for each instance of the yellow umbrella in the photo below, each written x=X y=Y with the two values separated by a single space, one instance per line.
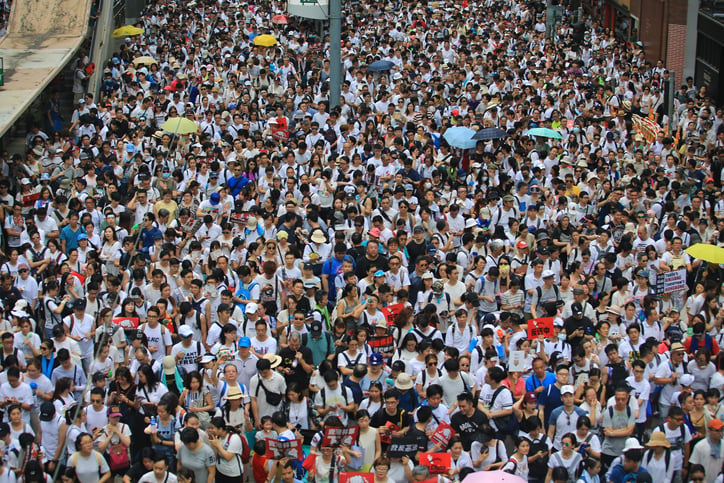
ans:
x=126 y=31
x=144 y=60
x=265 y=40
x=180 y=125
x=707 y=252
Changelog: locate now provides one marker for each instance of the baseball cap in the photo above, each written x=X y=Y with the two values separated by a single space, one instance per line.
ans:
x=251 y=308
x=715 y=424
x=548 y=274
x=245 y=342
x=376 y=359
x=567 y=389
x=380 y=273
x=316 y=327
x=530 y=397
x=398 y=366
x=577 y=309
x=47 y=411
x=185 y=331
x=215 y=198
x=82 y=236
x=521 y=244
x=115 y=412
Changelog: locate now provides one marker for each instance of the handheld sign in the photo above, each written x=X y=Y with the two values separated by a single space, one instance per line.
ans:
x=542 y=326
x=443 y=434
x=335 y=437
x=291 y=449
x=126 y=323
x=438 y=463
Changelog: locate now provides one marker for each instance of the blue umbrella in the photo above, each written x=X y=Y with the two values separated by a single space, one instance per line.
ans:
x=543 y=132
x=460 y=137
x=490 y=133
x=380 y=65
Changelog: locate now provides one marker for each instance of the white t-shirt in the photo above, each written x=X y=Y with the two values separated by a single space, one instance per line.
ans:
x=86 y=469
x=150 y=477
x=158 y=337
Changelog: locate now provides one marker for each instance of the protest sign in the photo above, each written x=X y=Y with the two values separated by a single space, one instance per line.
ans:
x=671 y=282
x=345 y=477
x=335 y=437
x=438 y=463
x=391 y=312
x=400 y=447
x=516 y=362
x=126 y=323
x=542 y=326
x=442 y=434
x=291 y=449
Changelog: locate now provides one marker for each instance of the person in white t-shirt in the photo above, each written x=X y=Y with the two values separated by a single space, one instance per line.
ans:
x=160 y=473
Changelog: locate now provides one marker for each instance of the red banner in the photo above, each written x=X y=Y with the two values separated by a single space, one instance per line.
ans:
x=28 y=200
x=291 y=449
x=345 y=477
x=126 y=323
x=443 y=434
x=335 y=437
x=438 y=463
x=542 y=326
x=391 y=312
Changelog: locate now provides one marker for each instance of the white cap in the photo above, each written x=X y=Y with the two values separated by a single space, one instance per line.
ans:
x=686 y=380
x=631 y=444
x=567 y=389
x=548 y=273
x=185 y=331
x=251 y=308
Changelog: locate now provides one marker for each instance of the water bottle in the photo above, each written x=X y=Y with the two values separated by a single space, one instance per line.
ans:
x=34 y=387
x=154 y=422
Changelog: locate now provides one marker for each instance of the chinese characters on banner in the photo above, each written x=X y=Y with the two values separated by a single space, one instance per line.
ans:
x=291 y=449
x=400 y=447
x=391 y=312
x=335 y=437
x=542 y=326
x=442 y=434
x=439 y=463
x=671 y=282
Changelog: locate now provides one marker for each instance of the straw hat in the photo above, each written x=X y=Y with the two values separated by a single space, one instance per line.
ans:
x=658 y=439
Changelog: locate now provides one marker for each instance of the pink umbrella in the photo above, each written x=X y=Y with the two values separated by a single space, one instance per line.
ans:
x=492 y=477
x=280 y=19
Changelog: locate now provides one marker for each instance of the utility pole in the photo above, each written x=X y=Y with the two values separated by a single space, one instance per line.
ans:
x=335 y=53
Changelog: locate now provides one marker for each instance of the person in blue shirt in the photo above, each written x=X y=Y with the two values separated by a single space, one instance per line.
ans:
x=540 y=379
x=631 y=468
x=149 y=233
x=331 y=268
x=550 y=397
x=69 y=234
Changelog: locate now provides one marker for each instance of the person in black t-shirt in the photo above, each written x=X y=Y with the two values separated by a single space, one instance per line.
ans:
x=297 y=361
x=391 y=421
x=468 y=421
x=417 y=430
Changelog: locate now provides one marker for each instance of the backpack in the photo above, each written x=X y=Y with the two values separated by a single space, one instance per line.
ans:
x=539 y=292
x=515 y=465
x=667 y=456
x=505 y=424
x=423 y=374
x=197 y=305
x=245 y=293
x=446 y=296
x=424 y=337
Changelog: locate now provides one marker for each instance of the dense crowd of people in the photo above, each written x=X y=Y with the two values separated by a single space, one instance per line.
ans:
x=180 y=301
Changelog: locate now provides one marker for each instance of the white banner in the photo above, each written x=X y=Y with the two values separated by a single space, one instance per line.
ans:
x=671 y=282
x=316 y=9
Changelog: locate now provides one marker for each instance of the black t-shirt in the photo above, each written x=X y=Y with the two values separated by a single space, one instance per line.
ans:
x=415 y=250
x=468 y=428
x=571 y=324
x=298 y=374
x=400 y=419
x=420 y=438
x=364 y=263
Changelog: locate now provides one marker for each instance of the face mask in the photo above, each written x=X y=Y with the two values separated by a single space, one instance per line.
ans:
x=576 y=130
x=166 y=175
x=562 y=336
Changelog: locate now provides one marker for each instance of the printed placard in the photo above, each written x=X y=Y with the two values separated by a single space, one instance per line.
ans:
x=669 y=282
x=335 y=437
x=443 y=434
x=391 y=312
x=438 y=463
x=516 y=361
x=126 y=323
x=345 y=477
x=542 y=326
x=400 y=447
x=290 y=449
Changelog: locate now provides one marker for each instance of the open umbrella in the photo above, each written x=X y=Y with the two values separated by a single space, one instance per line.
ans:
x=492 y=477
x=280 y=19
x=180 y=125
x=543 y=132
x=707 y=252
x=460 y=137
x=144 y=60
x=265 y=40
x=380 y=66
x=489 y=133
x=126 y=31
